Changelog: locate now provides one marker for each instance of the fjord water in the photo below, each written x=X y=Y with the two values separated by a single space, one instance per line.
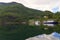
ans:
x=22 y=32
x=52 y=36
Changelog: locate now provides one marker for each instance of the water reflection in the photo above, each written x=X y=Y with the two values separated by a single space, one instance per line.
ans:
x=52 y=36
x=49 y=24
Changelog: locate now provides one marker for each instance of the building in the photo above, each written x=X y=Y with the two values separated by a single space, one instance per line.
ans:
x=31 y=22
x=34 y=22
x=37 y=23
x=45 y=16
x=49 y=22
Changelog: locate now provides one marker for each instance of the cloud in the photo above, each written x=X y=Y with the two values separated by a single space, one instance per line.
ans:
x=42 y=4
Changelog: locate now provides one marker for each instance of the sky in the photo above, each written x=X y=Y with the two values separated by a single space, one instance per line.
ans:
x=50 y=5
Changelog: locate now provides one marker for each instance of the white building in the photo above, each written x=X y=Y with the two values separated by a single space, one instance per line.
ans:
x=48 y=22
x=34 y=22
x=37 y=23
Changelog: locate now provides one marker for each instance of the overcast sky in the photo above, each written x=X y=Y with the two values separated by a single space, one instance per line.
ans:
x=51 y=5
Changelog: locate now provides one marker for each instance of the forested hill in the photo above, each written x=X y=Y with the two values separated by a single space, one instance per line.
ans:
x=19 y=10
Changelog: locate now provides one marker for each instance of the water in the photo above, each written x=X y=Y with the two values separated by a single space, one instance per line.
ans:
x=52 y=36
x=21 y=32
x=49 y=25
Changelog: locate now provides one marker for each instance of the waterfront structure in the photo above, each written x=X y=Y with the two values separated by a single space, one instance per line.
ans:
x=34 y=22
x=31 y=22
x=49 y=22
x=45 y=22
x=37 y=23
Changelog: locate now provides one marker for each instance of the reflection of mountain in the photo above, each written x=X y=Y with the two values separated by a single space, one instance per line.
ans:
x=53 y=36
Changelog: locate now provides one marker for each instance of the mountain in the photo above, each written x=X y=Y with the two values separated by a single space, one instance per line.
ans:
x=2 y=4
x=19 y=10
x=6 y=4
